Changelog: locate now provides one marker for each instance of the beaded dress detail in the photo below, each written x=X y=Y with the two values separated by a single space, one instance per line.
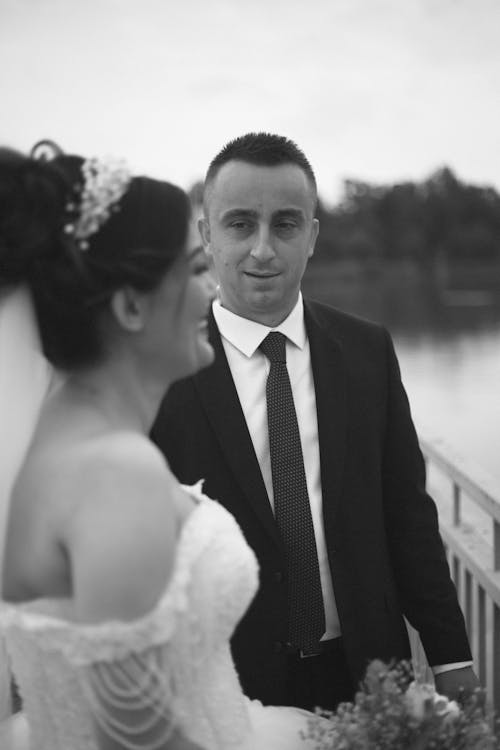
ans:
x=136 y=682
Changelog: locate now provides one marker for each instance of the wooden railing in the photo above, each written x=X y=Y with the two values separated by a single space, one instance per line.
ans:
x=468 y=501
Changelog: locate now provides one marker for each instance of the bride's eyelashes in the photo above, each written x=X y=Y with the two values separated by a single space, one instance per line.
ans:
x=200 y=267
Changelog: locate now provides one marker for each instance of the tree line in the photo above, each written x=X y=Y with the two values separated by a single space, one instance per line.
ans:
x=441 y=218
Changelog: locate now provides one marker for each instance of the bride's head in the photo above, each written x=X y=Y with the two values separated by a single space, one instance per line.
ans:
x=108 y=258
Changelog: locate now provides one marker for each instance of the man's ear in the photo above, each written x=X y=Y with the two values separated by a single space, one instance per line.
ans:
x=314 y=237
x=129 y=308
x=204 y=229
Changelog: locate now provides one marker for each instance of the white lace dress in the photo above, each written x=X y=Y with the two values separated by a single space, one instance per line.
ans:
x=135 y=682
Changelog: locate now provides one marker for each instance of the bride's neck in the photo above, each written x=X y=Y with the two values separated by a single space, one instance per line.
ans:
x=125 y=397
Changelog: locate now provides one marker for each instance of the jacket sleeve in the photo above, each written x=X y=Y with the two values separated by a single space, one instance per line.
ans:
x=426 y=592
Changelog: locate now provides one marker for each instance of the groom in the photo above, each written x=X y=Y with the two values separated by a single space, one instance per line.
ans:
x=306 y=437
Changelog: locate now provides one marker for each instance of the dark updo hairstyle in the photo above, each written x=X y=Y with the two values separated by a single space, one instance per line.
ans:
x=70 y=286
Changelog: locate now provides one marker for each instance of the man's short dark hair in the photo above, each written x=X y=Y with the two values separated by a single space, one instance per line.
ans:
x=261 y=149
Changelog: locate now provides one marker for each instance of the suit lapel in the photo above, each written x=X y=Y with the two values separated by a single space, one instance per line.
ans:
x=220 y=400
x=329 y=383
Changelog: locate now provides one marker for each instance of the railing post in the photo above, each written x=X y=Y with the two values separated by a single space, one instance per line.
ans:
x=456 y=504
x=468 y=604
x=496 y=545
x=496 y=659
x=473 y=556
x=480 y=655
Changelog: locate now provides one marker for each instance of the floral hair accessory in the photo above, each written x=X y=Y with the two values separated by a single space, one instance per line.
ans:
x=105 y=181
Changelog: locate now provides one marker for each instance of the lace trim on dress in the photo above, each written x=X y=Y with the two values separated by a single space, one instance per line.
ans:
x=132 y=701
x=85 y=644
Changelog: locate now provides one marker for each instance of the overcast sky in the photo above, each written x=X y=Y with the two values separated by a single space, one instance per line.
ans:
x=381 y=90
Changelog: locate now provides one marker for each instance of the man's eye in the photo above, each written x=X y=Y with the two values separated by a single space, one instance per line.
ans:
x=286 y=226
x=239 y=225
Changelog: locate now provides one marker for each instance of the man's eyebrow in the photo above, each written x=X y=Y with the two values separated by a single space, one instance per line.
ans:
x=296 y=213
x=248 y=213
x=234 y=213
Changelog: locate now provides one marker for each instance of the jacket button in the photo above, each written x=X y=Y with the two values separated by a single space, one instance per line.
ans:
x=278 y=647
x=278 y=577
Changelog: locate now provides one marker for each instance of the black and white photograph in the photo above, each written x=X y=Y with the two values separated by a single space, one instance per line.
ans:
x=249 y=375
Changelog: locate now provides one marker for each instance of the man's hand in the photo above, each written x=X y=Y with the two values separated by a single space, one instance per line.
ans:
x=457 y=684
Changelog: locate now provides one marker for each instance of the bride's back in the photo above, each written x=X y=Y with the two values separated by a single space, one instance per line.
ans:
x=36 y=563
x=84 y=475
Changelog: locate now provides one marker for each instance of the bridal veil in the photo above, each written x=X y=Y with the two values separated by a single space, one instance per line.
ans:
x=25 y=377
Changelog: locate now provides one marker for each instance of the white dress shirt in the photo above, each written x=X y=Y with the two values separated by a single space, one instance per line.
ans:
x=241 y=339
x=249 y=367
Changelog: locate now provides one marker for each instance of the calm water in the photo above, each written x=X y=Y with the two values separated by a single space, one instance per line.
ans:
x=447 y=336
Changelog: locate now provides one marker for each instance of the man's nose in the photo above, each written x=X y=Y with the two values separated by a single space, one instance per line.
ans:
x=263 y=248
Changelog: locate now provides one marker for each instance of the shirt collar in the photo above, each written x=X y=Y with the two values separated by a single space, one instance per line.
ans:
x=247 y=335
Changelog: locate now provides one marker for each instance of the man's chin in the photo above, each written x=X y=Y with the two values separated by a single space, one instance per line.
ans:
x=267 y=309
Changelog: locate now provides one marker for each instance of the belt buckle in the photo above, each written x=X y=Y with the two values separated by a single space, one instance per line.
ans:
x=307 y=655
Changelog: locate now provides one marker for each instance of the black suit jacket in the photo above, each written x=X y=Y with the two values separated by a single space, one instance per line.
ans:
x=381 y=528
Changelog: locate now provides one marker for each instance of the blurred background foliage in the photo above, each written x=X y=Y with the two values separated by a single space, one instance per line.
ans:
x=440 y=218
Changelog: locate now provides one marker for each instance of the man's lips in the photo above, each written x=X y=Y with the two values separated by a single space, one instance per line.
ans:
x=262 y=274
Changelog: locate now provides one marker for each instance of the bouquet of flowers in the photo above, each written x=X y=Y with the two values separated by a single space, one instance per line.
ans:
x=392 y=712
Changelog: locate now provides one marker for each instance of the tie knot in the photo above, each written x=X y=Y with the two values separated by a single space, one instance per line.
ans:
x=274 y=347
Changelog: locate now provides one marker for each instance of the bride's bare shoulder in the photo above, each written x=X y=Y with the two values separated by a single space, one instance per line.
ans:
x=112 y=506
x=120 y=458
x=121 y=527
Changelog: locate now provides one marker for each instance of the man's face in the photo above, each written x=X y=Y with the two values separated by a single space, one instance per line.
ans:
x=260 y=231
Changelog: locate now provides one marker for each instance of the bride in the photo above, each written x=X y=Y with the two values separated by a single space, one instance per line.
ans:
x=121 y=588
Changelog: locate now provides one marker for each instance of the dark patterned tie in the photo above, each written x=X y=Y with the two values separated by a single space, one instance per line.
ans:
x=291 y=501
